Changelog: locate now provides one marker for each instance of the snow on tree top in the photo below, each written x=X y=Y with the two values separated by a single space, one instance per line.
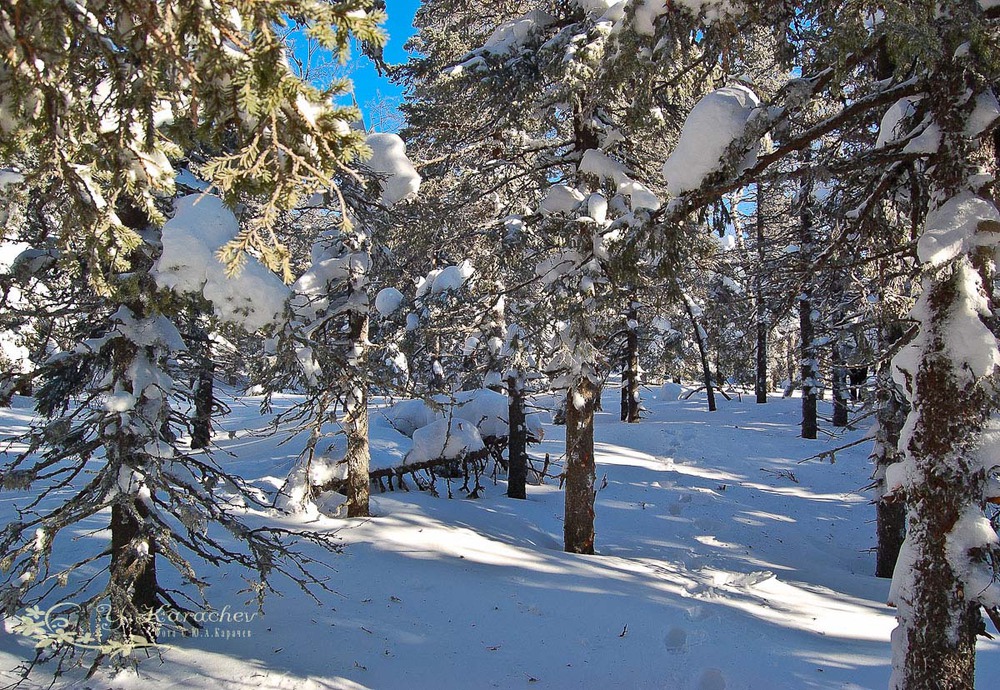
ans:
x=389 y=158
x=201 y=226
x=718 y=119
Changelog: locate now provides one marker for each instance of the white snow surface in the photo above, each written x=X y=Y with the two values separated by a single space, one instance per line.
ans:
x=715 y=122
x=389 y=159
x=253 y=298
x=714 y=571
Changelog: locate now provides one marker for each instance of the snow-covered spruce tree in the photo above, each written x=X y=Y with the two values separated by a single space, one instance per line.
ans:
x=99 y=98
x=943 y=575
x=323 y=345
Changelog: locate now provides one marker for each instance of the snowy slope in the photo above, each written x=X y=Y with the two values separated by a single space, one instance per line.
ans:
x=723 y=564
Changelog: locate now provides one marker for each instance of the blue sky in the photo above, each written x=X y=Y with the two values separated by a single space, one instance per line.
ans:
x=367 y=83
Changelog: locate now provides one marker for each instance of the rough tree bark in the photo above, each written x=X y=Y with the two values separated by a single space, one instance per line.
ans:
x=517 y=440
x=355 y=423
x=630 y=369
x=760 y=382
x=578 y=526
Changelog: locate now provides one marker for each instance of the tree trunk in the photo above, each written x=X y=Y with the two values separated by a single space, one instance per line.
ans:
x=938 y=617
x=204 y=389
x=839 y=381
x=517 y=441
x=760 y=382
x=356 y=423
x=578 y=527
x=891 y=409
x=132 y=587
x=701 y=338
x=630 y=371
x=133 y=572
x=807 y=329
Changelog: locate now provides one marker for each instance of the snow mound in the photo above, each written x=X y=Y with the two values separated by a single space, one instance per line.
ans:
x=718 y=119
x=444 y=440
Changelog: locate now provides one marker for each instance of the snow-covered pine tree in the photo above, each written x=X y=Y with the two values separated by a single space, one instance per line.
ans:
x=124 y=91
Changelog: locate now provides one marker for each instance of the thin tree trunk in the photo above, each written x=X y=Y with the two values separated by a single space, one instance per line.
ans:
x=807 y=329
x=701 y=338
x=630 y=370
x=760 y=382
x=204 y=391
x=578 y=526
x=890 y=416
x=517 y=441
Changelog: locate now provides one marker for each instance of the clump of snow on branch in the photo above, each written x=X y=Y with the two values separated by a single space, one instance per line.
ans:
x=388 y=300
x=560 y=198
x=447 y=279
x=952 y=228
x=252 y=298
x=389 y=159
x=971 y=535
x=983 y=115
x=603 y=166
x=717 y=120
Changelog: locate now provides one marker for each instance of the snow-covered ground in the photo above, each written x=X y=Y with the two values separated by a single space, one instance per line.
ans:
x=724 y=563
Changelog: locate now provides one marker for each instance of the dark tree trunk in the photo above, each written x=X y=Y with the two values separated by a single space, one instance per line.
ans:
x=630 y=371
x=701 y=338
x=204 y=389
x=517 y=440
x=578 y=527
x=760 y=382
x=839 y=381
x=356 y=424
x=133 y=572
x=807 y=329
x=890 y=416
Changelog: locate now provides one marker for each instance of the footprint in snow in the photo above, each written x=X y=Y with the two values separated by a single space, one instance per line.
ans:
x=712 y=679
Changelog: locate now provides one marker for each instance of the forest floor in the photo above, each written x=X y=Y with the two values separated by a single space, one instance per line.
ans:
x=726 y=560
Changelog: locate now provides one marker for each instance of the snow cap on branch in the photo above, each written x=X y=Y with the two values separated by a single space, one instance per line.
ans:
x=389 y=158
x=252 y=298
x=715 y=122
